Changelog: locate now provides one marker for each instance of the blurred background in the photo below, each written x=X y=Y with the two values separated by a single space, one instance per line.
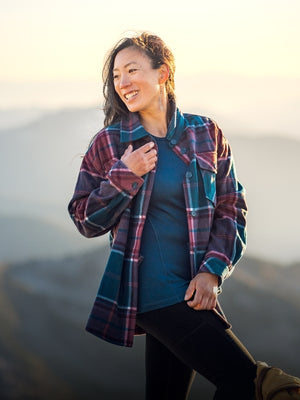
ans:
x=238 y=63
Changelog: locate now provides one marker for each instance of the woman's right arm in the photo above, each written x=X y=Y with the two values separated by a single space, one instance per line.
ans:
x=101 y=196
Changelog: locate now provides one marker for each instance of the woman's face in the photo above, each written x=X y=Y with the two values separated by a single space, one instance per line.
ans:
x=135 y=81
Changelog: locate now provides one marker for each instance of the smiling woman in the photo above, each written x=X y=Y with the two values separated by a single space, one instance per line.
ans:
x=128 y=60
x=164 y=184
x=141 y=87
x=135 y=79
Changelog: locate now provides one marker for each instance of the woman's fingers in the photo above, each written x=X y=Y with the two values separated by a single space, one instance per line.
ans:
x=190 y=290
x=141 y=160
x=146 y=147
x=203 y=302
x=200 y=294
x=128 y=150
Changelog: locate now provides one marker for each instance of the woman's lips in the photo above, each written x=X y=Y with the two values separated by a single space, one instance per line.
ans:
x=128 y=96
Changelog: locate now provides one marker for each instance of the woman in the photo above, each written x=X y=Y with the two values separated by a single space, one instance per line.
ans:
x=164 y=184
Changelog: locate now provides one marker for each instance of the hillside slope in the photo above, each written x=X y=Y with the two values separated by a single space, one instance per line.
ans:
x=45 y=352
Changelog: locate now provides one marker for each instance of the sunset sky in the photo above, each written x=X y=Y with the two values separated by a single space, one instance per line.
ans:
x=238 y=62
x=52 y=51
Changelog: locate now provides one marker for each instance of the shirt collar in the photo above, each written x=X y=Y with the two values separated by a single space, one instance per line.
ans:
x=132 y=129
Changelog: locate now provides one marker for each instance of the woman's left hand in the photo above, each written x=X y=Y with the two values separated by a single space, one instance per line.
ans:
x=200 y=294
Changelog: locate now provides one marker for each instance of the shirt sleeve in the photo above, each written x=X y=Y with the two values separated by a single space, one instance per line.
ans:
x=101 y=197
x=227 y=241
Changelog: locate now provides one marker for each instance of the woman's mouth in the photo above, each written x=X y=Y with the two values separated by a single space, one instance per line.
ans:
x=130 y=95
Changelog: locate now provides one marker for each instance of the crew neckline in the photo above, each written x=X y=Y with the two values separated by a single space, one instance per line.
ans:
x=159 y=138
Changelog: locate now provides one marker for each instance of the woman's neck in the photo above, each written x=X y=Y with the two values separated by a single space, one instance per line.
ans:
x=157 y=125
x=156 y=122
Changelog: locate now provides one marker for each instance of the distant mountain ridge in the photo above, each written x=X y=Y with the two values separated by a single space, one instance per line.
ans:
x=27 y=238
x=40 y=164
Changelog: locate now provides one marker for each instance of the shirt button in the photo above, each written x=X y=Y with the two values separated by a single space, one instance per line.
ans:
x=134 y=185
x=193 y=213
x=188 y=174
x=173 y=141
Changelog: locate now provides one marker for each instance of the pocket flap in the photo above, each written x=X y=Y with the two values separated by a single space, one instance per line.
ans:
x=207 y=160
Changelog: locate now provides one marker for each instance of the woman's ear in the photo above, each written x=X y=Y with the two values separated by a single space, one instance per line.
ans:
x=164 y=74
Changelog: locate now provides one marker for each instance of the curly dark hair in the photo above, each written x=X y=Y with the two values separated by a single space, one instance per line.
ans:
x=159 y=54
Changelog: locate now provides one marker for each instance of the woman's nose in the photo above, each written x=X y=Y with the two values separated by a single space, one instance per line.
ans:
x=124 y=81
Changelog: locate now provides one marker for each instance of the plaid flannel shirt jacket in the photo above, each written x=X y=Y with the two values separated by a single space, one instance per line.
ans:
x=110 y=197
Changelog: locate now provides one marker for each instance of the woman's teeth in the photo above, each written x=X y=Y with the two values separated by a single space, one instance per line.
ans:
x=129 y=96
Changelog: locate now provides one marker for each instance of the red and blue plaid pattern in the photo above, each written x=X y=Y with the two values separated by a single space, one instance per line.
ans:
x=109 y=197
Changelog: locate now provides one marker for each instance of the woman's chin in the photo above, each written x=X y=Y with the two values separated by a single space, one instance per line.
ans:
x=132 y=108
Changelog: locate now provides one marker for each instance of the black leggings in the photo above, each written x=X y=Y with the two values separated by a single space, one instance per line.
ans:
x=180 y=341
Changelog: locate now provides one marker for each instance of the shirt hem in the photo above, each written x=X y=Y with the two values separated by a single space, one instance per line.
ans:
x=164 y=303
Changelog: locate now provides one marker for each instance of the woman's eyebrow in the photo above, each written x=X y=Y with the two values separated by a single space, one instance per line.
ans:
x=126 y=65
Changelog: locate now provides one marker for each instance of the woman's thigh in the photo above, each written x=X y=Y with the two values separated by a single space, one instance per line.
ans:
x=167 y=377
x=201 y=341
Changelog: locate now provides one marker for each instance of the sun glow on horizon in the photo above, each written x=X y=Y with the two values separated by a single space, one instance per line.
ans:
x=52 y=52
x=68 y=39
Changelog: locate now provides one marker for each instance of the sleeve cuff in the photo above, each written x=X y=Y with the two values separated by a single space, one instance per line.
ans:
x=217 y=267
x=124 y=179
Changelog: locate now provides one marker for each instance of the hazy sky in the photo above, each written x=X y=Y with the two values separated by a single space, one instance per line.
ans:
x=52 y=51
x=67 y=38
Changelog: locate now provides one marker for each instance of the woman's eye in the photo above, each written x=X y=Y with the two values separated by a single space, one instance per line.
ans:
x=132 y=70
x=115 y=76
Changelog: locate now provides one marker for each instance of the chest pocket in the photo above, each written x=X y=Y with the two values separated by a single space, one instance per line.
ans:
x=207 y=165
